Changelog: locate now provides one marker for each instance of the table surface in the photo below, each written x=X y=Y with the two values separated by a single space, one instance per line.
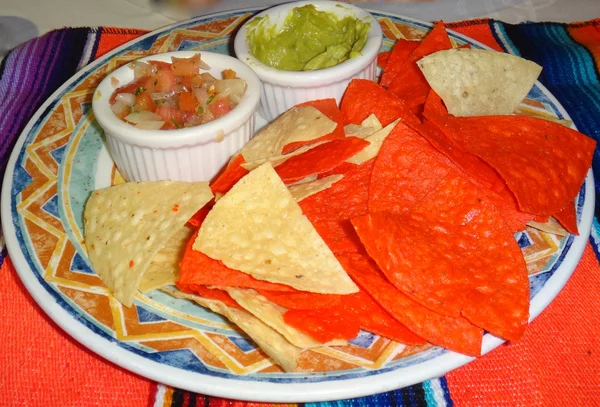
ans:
x=48 y=15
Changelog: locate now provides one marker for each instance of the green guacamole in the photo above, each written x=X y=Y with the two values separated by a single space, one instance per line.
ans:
x=308 y=40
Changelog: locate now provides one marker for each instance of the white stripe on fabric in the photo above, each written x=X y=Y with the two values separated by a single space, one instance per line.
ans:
x=159 y=401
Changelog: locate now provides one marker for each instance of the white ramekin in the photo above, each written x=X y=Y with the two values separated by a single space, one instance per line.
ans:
x=280 y=90
x=188 y=154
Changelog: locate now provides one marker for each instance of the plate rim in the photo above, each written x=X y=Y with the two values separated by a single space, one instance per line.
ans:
x=258 y=390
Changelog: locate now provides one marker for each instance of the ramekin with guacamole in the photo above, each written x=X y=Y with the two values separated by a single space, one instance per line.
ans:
x=308 y=39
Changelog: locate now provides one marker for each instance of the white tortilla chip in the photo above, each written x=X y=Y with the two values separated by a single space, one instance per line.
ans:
x=375 y=141
x=270 y=341
x=476 y=82
x=280 y=159
x=363 y=130
x=127 y=224
x=552 y=226
x=259 y=229
x=164 y=267
x=297 y=124
x=272 y=315
x=306 y=189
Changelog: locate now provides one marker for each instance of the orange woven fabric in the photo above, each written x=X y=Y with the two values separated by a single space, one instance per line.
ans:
x=41 y=366
x=557 y=363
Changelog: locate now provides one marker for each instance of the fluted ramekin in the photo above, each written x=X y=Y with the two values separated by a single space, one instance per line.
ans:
x=280 y=89
x=187 y=154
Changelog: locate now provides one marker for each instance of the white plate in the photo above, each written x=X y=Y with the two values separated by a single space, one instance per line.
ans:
x=61 y=157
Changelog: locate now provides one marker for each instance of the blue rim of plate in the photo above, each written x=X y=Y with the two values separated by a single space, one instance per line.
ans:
x=282 y=388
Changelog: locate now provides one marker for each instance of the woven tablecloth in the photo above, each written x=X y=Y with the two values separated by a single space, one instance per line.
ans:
x=557 y=363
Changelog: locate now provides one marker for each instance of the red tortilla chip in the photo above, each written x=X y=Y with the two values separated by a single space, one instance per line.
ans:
x=454 y=254
x=543 y=163
x=434 y=107
x=230 y=176
x=436 y=40
x=567 y=217
x=196 y=220
x=302 y=299
x=324 y=325
x=339 y=235
x=319 y=159
x=196 y=269
x=455 y=334
x=330 y=109
x=345 y=199
x=505 y=202
x=364 y=97
x=397 y=59
x=211 y=294
x=382 y=59
x=373 y=318
x=406 y=169
x=474 y=167
x=410 y=86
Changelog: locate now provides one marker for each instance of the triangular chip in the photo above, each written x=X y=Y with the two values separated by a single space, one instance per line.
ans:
x=164 y=267
x=258 y=228
x=269 y=340
x=320 y=159
x=476 y=82
x=551 y=226
x=375 y=141
x=297 y=124
x=306 y=189
x=363 y=130
x=279 y=159
x=127 y=224
x=272 y=315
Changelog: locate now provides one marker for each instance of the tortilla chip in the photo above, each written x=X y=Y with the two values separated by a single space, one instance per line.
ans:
x=375 y=141
x=453 y=253
x=363 y=130
x=270 y=341
x=456 y=334
x=297 y=124
x=397 y=59
x=280 y=159
x=339 y=235
x=306 y=189
x=373 y=318
x=405 y=170
x=543 y=163
x=382 y=59
x=126 y=225
x=410 y=86
x=212 y=293
x=196 y=268
x=474 y=167
x=302 y=299
x=164 y=267
x=325 y=325
x=330 y=109
x=258 y=228
x=320 y=159
x=364 y=97
x=345 y=199
x=475 y=82
x=272 y=315
x=550 y=226
x=232 y=174
x=567 y=217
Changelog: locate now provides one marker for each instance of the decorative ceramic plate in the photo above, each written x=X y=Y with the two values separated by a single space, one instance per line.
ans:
x=61 y=157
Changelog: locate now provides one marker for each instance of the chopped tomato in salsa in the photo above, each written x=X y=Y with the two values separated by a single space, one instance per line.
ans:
x=173 y=95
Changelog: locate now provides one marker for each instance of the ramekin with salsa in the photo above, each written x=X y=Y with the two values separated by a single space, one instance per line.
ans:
x=174 y=95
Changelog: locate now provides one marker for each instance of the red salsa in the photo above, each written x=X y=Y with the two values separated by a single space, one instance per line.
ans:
x=173 y=95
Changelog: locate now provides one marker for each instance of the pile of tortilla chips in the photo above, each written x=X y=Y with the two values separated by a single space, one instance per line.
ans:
x=393 y=213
